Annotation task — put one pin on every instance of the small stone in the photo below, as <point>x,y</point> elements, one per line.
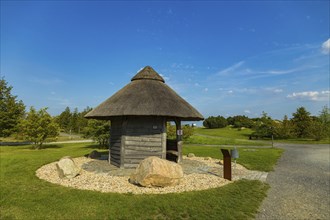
<point>191,155</point>
<point>67,168</point>
<point>207,158</point>
<point>95,154</point>
<point>221,162</point>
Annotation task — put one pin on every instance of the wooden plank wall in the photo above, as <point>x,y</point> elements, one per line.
<point>143,138</point>
<point>115,142</point>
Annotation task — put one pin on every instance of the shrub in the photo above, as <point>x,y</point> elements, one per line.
<point>38,126</point>
<point>215,122</point>
<point>171,131</point>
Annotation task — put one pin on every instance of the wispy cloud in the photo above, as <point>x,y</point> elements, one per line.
<point>310,95</point>
<point>231,68</point>
<point>275,72</point>
<point>326,47</point>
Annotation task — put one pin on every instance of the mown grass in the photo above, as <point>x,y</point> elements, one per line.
<point>303,141</point>
<point>225,132</point>
<point>263,159</point>
<point>213,140</point>
<point>224,136</point>
<point>234,136</point>
<point>24,196</point>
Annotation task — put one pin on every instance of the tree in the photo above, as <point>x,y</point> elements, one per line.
<point>64,119</point>
<point>73,124</point>
<point>301,122</point>
<point>11,110</point>
<point>324,118</point>
<point>73,121</point>
<point>215,122</point>
<point>320,126</point>
<point>82,121</point>
<point>284,129</point>
<point>264,127</point>
<point>99,131</point>
<point>240,121</point>
<point>38,126</point>
<point>187,131</point>
<point>315,130</point>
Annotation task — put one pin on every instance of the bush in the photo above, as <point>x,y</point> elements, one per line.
<point>215,122</point>
<point>171,131</point>
<point>99,131</point>
<point>38,126</point>
<point>240,121</point>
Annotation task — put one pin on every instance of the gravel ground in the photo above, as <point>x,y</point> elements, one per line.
<point>299,185</point>
<point>199,174</point>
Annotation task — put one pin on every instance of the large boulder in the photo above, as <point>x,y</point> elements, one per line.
<point>156,172</point>
<point>67,168</point>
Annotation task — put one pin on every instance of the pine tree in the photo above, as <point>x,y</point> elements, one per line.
<point>11,110</point>
<point>301,121</point>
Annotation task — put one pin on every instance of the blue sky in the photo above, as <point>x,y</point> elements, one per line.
<point>224,57</point>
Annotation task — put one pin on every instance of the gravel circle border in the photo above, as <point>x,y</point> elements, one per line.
<point>105,183</point>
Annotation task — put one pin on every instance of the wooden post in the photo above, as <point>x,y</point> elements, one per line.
<point>226,164</point>
<point>179,139</point>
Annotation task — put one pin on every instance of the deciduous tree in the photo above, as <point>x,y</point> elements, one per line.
<point>38,126</point>
<point>99,131</point>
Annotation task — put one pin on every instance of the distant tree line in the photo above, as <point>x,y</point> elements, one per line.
<point>74,122</point>
<point>38,126</point>
<point>301,125</point>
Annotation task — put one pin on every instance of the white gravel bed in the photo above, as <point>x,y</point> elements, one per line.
<point>104,182</point>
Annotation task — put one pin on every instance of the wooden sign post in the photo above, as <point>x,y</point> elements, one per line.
<point>226,164</point>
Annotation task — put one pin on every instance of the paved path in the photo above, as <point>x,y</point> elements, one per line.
<point>300,186</point>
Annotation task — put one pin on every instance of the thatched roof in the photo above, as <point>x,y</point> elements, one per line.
<point>146,95</point>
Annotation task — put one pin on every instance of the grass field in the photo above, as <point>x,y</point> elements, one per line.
<point>24,196</point>
<point>262,159</point>
<point>234,136</point>
<point>224,136</point>
<point>225,132</point>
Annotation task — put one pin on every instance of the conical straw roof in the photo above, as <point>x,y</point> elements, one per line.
<point>146,95</point>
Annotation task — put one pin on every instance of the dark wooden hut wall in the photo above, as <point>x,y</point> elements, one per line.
<point>143,137</point>
<point>115,142</point>
<point>136,138</point>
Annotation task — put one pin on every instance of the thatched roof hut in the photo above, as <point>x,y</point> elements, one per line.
<point>146,95</point>
<point>138,114</point>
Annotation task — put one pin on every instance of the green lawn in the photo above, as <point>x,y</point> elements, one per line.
<point>263,159</point>
<point>224,136</point>
<point>225,132</point>
<point>213,140</point>
<point>62,137</point>
<point>234,136</point>
<point>303,141</point>
<point>24,196</point>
